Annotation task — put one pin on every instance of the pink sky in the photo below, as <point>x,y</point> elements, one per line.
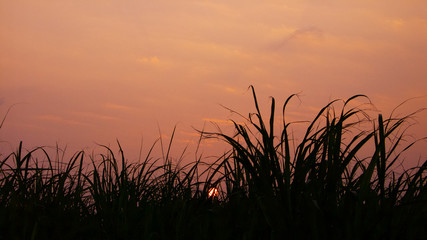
<point>82,72</point>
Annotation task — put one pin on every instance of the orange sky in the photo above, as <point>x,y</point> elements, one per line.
<point>82,72</point>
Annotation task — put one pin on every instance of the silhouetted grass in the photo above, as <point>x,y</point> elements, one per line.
<point>271,186</point>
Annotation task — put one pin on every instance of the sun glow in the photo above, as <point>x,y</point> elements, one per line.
<point>213,193</point>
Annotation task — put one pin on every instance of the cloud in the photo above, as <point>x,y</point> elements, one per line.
<point>396,23</point>
<point>221,121</point>
<point>303,34</point>
<point>94,115</point>
<point>149,60</point>
<point>230,90</point>
<point>218,121</point>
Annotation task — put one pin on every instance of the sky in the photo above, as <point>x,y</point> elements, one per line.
<point>82,73</point>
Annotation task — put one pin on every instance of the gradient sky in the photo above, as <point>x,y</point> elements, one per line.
<point>82,72</point>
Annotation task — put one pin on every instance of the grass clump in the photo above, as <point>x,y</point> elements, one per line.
<point>322,189</point>
<point>271,186</point>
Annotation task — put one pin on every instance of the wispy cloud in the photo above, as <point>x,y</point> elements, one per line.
<point>94,116</point>
<point>301,34</point>
<point>230,90</point>
<point>218,121</point>
<point>149,60</point>
<point>396,23</point>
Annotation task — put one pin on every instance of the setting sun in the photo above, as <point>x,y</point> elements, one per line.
<point>213,193</point>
